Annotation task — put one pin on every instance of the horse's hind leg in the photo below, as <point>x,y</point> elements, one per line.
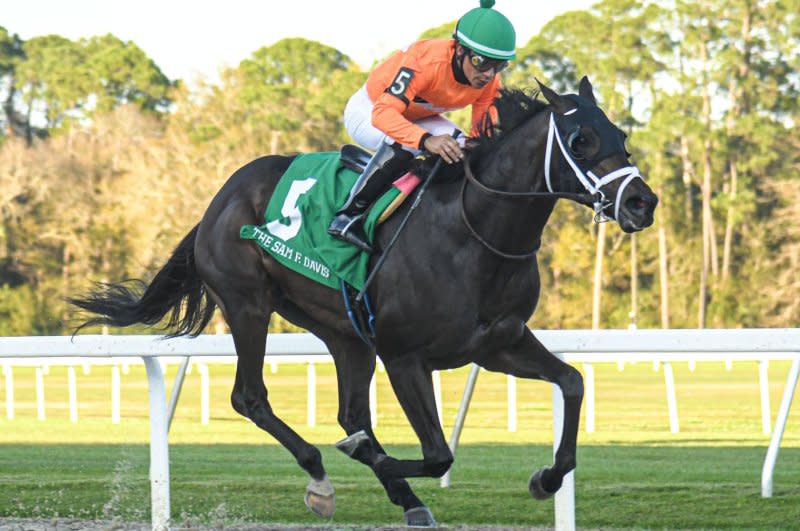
<point>528,358</point>
<point>248,324</point>
<point>235,273</point>
<point>355,365</point>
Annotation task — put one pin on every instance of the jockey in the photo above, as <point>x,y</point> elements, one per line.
<point>397,111</point>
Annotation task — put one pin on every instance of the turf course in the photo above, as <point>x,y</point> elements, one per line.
<point>632,472</point>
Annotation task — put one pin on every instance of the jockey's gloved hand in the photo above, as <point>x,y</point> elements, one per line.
<point>445,146</point>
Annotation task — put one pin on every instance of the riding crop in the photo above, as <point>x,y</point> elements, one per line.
<point>391,243</point>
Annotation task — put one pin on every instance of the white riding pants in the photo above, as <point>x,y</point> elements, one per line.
<point>358,122</point>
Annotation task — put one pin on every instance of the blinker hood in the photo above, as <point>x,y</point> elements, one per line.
<point>585,115</point>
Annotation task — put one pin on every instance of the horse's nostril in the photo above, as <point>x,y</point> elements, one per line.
<point>636,205</point>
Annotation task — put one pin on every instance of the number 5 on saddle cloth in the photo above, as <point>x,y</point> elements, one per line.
<point>298,214</point>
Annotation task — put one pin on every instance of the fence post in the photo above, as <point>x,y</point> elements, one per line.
<point>73,394</point>
<point>763,382</point>
<point>588,370</point>
<point>461,416</point>
<point>39,393</point>
<point>512,403</point>
<point>205,393</point>
<point>780,425</point>
<point>183,369</point>
<point>159,445</point>
<point>115,384</point>
<point>373,401</point>
<point>437,393</point>
<point>564,500</point>
<point>672,402</point>
<point>311,412</point>
<point>9,373</point>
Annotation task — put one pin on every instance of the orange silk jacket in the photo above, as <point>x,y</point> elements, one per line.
<point>419,82</point>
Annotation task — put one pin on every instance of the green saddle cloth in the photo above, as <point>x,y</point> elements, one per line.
<point>295,231</point>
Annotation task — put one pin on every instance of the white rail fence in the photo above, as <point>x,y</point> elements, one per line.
<point>121,366</point>
<point>661,347</point>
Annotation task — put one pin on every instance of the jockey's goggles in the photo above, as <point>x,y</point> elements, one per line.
<point>484,64</point>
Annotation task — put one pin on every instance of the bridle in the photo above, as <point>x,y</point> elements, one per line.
<point>507,195</point>
<point>588,179</point>
<point>591,182</point>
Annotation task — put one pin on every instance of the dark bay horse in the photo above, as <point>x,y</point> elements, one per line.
<point>458,288</point>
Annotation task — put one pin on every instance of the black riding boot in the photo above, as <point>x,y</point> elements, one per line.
<point>388,163</point>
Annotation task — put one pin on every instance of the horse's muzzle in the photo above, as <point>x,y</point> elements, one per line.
<point>636,211</point>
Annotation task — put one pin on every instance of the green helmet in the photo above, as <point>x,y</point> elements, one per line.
<point>487,32</point>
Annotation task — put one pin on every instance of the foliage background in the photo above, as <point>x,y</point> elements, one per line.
<point>105,163</point>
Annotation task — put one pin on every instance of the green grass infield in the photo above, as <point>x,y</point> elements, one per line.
<point>633,473</point>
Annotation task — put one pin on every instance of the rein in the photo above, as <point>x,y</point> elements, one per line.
<point>508,195</point>
<point>591,182</point>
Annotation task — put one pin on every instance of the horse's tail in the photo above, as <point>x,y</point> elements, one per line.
<point>176,289</point>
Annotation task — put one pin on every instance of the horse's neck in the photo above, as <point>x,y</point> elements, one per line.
<point>513,225</point>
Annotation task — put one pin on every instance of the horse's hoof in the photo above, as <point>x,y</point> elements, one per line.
<point>350,444</point>
<point>536,488</point>
<point>419,517</point>
<point>320,498</point>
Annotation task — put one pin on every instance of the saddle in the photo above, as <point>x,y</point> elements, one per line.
<point>354,157</point>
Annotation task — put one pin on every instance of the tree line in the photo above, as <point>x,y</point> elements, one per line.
<point>105,163</point>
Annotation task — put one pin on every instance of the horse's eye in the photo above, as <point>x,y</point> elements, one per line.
<point>576,142</point>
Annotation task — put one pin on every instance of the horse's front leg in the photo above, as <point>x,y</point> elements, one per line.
<point>355,366</point>
<point>413,386</point>
<point>528,358</point>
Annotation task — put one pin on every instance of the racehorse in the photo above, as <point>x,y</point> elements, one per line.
<point>458,288</point>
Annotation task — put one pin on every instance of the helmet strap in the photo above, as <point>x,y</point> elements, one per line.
<point>458,65</point>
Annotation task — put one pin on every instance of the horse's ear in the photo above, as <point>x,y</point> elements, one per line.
<point>585,90</point>
<point>559,103</point>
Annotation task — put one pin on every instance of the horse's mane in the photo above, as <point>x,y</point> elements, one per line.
<point>514,107</point>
